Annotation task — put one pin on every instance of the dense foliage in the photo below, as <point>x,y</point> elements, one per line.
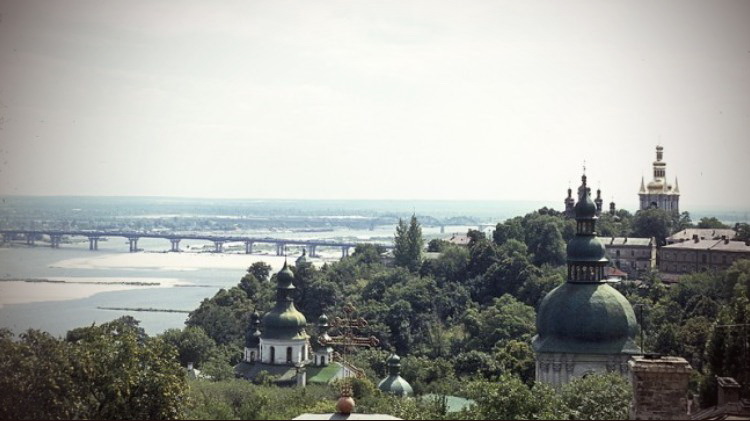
<point>462,321</point>
<point>112,371</point>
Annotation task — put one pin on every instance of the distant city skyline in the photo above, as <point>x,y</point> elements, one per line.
<point>418,100</point>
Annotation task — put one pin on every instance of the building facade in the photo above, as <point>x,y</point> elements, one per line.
<point>698,255</point>
<point>631,255</point>
<point>584,325</point>
<point>658,193</point>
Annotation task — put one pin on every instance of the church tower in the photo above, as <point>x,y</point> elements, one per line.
<point>659,193</point>
<point>584,325</point>
<point>569,203</point>
<point>284,340</point>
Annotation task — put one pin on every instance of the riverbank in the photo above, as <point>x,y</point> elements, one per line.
<point>25,291</point>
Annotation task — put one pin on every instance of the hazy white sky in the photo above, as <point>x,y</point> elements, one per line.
<point>374,99</point>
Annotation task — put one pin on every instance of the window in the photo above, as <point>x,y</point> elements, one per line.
<point>703,258</point>
<point>289,354</point>
<point>273,355</point>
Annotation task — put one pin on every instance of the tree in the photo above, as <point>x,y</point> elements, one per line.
<point>506,398</point>
<point>598,397</point>
<point>544,239</point>
<point>103,372</point>
<point>192,345</point>
<point>408,244</point>
<point>653,223</point>
<point>743,232</point>
<point>368,253</point>
<point>711,222</point>
<point>436,245</point>
<point>261,271</point>
<point>511,229</point>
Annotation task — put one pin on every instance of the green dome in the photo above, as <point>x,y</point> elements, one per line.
<point>585,208</point>
<point>585,319</point>
<point>285,278</point>
<point>394,383</point>
<point>284,322</point>
<point>586,249</point>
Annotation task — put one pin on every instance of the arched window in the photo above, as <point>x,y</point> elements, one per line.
<point>289,354</point>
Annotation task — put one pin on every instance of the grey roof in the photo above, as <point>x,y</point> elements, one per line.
<point>459,239</point>
<point>702,233</point>
<point>626,241</point>
<point>718,245</point>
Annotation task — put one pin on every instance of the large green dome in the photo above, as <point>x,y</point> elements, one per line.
<point>284,322</point>
<point>586,319</point>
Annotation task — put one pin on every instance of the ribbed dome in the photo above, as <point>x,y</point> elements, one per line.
<point>394,383</point>
<point>284,322</point>
<point>586,319</point>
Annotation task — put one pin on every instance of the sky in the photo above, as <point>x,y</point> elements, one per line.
<point>454,100</point>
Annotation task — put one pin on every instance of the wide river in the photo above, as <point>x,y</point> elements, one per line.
<point>97,286</point>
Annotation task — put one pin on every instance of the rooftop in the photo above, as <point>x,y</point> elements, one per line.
<point>718,245</point>
<point>702,233</point>
<point>626,241</point>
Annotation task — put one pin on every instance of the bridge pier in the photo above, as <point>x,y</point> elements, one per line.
<point>133,244</point>
<point>93,243</point>
<point>29,239</point>
<point>312,250</point>
<point>175,244</point>
<point>218,246</point>
<point>54,241</point>
<point>344,251</point>
<point>248,247</point>
<point>280,248</point>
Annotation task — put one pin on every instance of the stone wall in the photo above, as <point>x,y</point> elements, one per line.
<point>660,386</point>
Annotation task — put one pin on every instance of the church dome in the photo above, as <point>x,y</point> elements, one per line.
<point>284,321</point>
<point>302,259</point>
<point>583,318</point>
<point>285,278</point>
<point>586,249</point>
<point>585,208</point>
<point>394,383</point>
<point>585,315</point>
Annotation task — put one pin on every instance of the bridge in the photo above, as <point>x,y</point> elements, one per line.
<point>55,238</point>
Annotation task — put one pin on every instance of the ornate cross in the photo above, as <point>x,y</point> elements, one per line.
<point>347,338</point>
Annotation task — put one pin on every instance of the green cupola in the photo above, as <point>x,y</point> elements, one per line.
<point>394,383</point>
<point>585,315</point>
<point>284,321</point>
